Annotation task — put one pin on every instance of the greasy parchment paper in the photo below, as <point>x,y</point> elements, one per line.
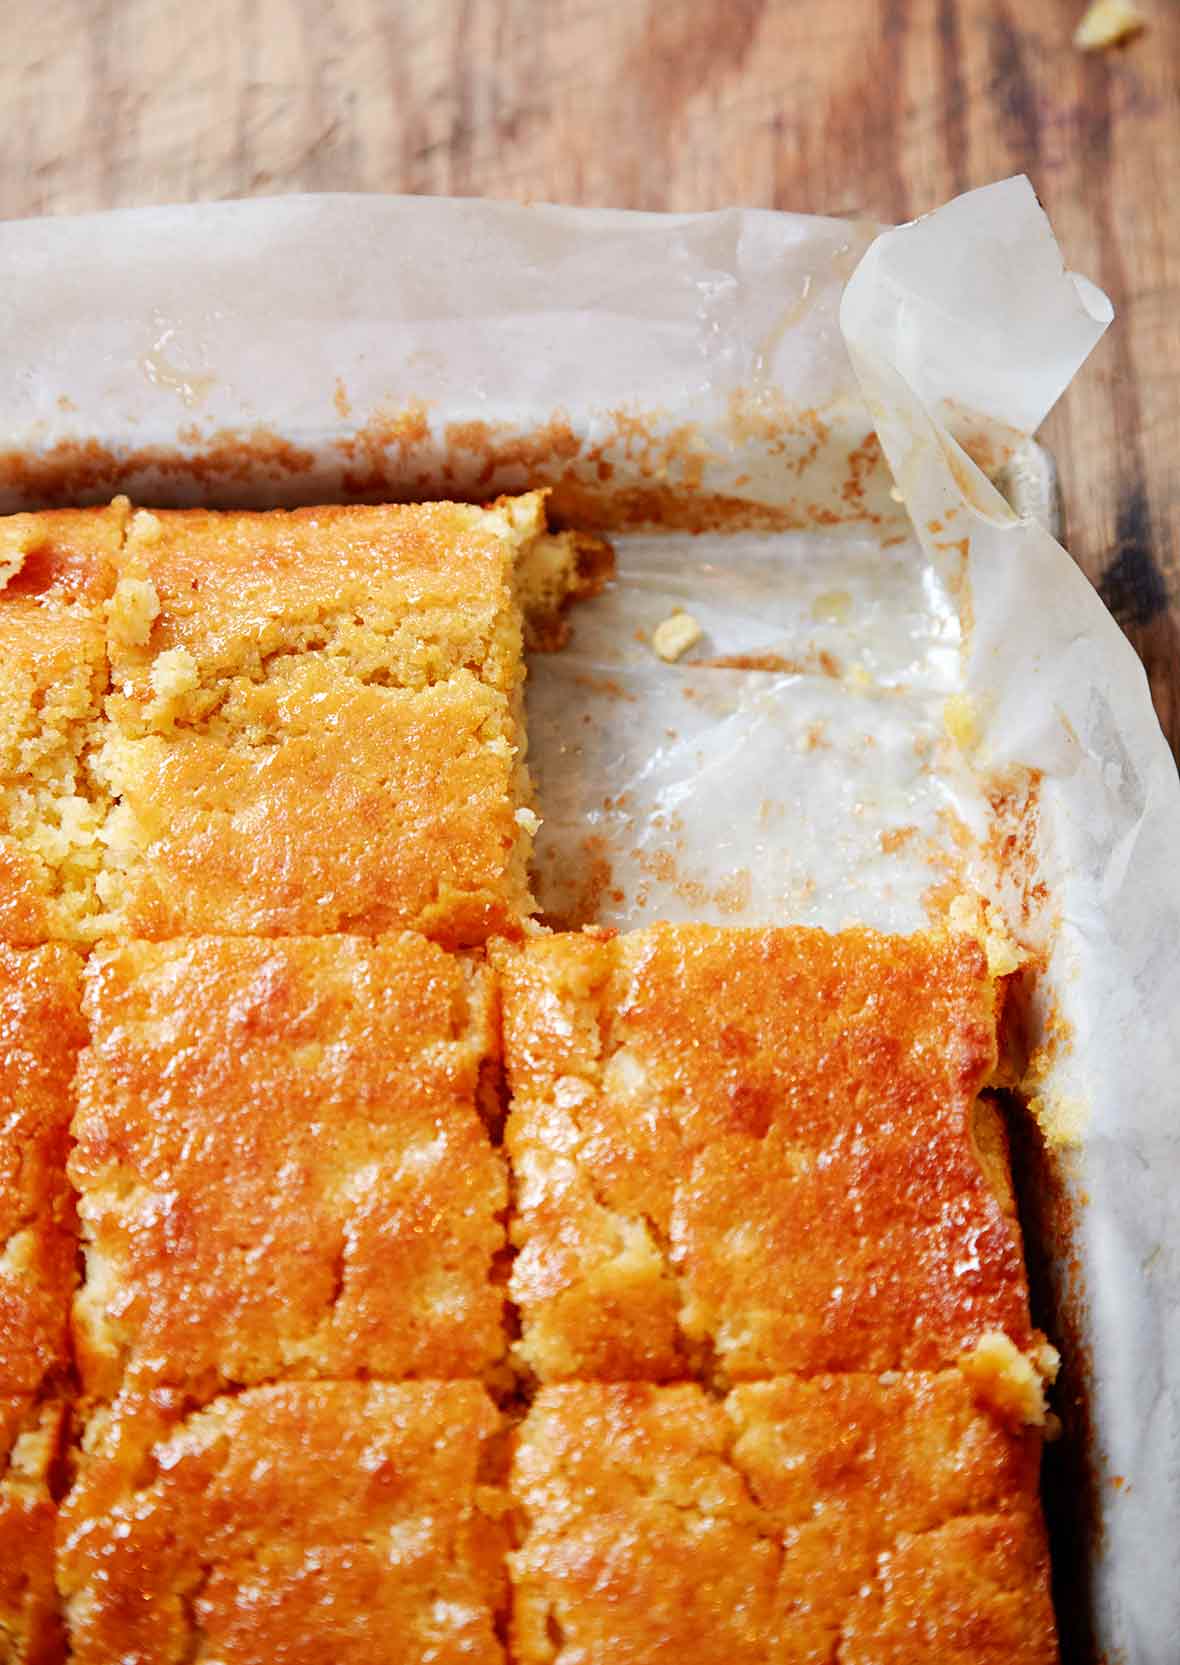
<point>972,304</point>
<point>921,689</point>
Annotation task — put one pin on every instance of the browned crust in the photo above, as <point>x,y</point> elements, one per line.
<point>819,1090</point>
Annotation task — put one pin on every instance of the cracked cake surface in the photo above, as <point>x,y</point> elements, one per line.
<point>753,1152</point>
<point>288,1519</point>
<point>795,1520</point>
<point>282,1164</point>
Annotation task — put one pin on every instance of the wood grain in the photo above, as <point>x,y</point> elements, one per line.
<point>884,106</point>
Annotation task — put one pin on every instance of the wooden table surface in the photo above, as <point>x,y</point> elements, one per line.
<point>882,106</point>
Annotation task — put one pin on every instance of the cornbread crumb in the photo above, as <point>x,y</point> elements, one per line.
<point>553,571</point>
<point>16,543</point>
<point>295,1521</point>
<point>1062,1119</point>
<point>1047,1360</point>
<point>972,915</point>
<point>314,1192</point>
<point>146,526</point>
<point>174,673</point>
<point>744,1152</point>
<point>1106,23</point>
<point>30,1438</point>
<point>674,635</point>
<point>132,611</point>
<point>1010,1381</point>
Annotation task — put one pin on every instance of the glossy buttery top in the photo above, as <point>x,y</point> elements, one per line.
<point>742,1153</point>
<point>881,1521</point>
<point>286,1521</point>
<point>282,1166</point>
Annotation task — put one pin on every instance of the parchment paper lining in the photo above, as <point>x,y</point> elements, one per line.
<point>947,690</point>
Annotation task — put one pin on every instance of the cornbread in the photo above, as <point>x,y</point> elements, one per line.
<point>273,723</point>
<point>775,1395</point>
<point>744,1153</point>
<point>282,1165</point>
<point>30,1439</point>
<point>1107,23</point>
<point>838,1517</point>
<point>674,635</point>
<point>552,573</point>
<point>299,1522</point>
<point>56,571</point>
<point>40,1033</point>
<point>1011,1382</point>
<point>972,1592</point>
<point>637,1536</point>
<point>315,722</point>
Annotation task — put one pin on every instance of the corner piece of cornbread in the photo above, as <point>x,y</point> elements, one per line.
<point>315,722</point>
<point>31,1435</point>
<point>282,1165</point>
<point>297,1521</point>
<point>273,723</point>
<point>850,1517</point>
<point>56,571</point>
<point>740,1153</point>
<point>40,1034</point>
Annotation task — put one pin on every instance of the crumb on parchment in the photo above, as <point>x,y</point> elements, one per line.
<point>1106,23</point>
<point>972,915</point>
<point>675,635</point>
<point>1062,1119</point>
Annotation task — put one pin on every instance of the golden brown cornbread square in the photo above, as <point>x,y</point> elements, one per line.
<point>847,1467</point>
<point>300,1522</point>
<point>282,1164</point>
<point>40,1034</point>
<point>971,1592</point>
<point>751,1152</point>
<point>657,1521</point>
<point>316,722</point>
<point>31,1434</point>
<point>56,571</point>
<point>637,1537</point>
